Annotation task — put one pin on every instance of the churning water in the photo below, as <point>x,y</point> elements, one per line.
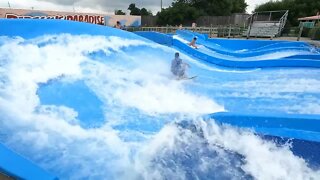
<point>95,107</point>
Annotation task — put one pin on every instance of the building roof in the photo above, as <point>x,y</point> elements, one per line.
<point>310,18</point>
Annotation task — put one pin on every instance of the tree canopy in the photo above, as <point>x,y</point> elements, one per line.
<point>138,12</point>
<point>119,12</point>
<point>185,11</point>
<point>297,8</point>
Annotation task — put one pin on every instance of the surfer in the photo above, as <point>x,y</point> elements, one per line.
<point>178,67</point>
<point>193,43</point>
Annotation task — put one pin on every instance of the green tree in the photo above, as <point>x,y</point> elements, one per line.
<point>119,12</point>
<point>138,12</point>
<point>239,6</point>
<point>145,12</point>
<point>187,11</point>
<point>133,9</point>
<point>217,7</point>
<point>178,13</point>
<point>297,8</point>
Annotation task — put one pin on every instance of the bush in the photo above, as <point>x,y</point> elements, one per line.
<point>314,33</point>
<point>305,32</point>
<point>291,32</point>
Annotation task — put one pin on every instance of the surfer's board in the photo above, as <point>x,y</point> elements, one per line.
<point>188,78</point>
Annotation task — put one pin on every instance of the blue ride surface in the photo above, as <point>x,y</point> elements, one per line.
<point>239,53</point>
<point>278,103</point>
<point>17,167</point>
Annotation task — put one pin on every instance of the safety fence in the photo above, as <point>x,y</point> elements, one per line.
<point>312,33</point>
<point>217,31</point>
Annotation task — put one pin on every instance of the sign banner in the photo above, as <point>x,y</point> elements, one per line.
<point>109,20</point>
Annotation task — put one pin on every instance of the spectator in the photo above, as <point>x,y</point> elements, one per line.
<point>118,25</point>
<point>194,26</point>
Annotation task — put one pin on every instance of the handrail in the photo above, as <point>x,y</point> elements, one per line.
<point>254,18</point>
<point>271,11</point>
<point>268,21</point>
<point>283,21</point>
<point>221,31</point>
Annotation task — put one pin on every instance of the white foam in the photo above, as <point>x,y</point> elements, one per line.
<point>262,159</point>
<point>180,39</point>
<point>150,88</point>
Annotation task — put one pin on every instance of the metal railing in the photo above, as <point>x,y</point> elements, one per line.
<point>283,21</point>
<point>268,17</point>
<point>213,31</point>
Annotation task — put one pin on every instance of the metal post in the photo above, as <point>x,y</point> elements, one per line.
<point>270,16</point>
<point>300,32</point>
<point>250,24</point>
<point>229,34</point>
<point>223,30</point>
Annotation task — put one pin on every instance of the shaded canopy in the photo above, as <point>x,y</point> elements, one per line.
<point>309,18</point>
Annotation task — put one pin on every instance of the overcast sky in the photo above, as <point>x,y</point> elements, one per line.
<point>99,6</point>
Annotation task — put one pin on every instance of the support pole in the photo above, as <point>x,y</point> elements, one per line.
<point>250,24</point>
<point>300,32</point>
<point>270,16</point>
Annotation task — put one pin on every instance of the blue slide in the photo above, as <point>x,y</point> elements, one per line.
<point>84,101</point>
<point>17,167</point>
<point>243,53</point>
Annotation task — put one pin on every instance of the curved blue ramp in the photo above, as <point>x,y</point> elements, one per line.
<point>16,166</point>
<point>30,28</point>
<point>315,63</point>
<point>242,47</point>
<point>208,51</point>
<point>92,102</point>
